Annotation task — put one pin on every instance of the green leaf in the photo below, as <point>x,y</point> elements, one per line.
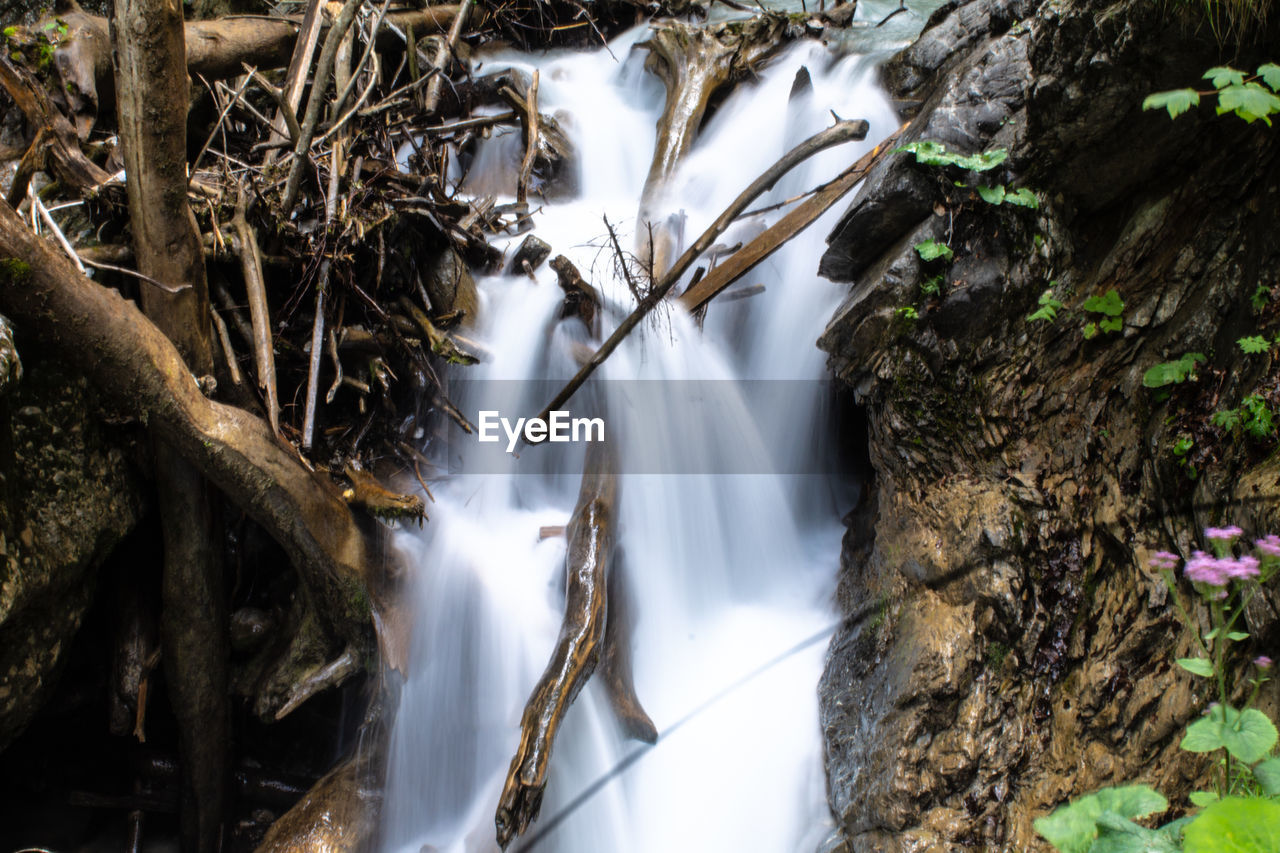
<point>1235,825</point>
<point>1090,331</point>
<point>1049,306</point>
<point>908,312</point>
<point>1073,828</point>
<point>1120,835</point>
<point>931,286</point>
<point>1204,735</point>
<point>1247,735</point>
<point>1197,666</point>
<point>1023,197</point>
<point>1202,798</point>
<point>1270,74</point>
<point>1174,829</point>
<point>984,162</point>
<point>931,250</point>
<point>1176,102</point>
<point>930,153</point>
<point>1227,419</point>
<point>992,195</point>
<point>1237,636</point>
<point>1170,372</point>
<point>1111,324</point>
<point>1249,101</point>
<point>1109,303</point>
<point>1253,344</point>
<point>1268,775</point>
<point>1223,76</point>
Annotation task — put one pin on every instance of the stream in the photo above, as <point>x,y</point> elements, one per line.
<point>728,538</point>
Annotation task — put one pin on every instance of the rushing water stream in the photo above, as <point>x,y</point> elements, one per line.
<point>731,570</point>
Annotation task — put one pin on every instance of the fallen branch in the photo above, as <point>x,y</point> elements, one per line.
<point>841,132</point>
<point>590,536</point>
<point>431,99</point>
<point>319,84</point>
<point>773,238</point>
<point>255,288</point>
<point>529,121</point>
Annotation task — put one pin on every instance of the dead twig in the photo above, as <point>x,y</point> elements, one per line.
<point>255,288</point>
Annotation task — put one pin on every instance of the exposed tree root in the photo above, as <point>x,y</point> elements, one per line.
<point>137,368</point>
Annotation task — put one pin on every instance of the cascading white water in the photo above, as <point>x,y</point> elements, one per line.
<point>728,572</point>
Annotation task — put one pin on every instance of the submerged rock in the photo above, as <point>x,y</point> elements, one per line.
<point>1005,647</point>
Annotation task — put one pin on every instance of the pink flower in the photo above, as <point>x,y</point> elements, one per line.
<point>1202,568</point>
<point>1240,568</point>
<point>1262,662</point>
<point>1222,534</point>
<point>1269,545</point>
<point>1163,561</point>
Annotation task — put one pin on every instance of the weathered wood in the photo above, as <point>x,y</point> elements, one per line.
<point>151,79</point>
<point>615,666</point>
<point>590,536</point>
<point>773,238</point>
<point>693,62</point>
<point>215,49</point>
<point>56,145</point>
<point>264,357</point>
<point>319,85</point>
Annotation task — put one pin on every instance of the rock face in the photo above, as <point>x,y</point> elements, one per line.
<point>1005,648</point>
<point>69,496</point>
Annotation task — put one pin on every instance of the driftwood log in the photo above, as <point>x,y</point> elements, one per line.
<point>590,537</point>
<point>694,63</point>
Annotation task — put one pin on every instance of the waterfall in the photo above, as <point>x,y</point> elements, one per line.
<point>731,565</point>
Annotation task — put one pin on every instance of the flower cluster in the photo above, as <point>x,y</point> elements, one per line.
<point>1217,571</point>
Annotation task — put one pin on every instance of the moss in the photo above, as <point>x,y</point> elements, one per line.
<point>14,271</point>
<point>996,654</point>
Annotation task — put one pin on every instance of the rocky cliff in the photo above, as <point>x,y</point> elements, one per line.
<point>1005,647</point>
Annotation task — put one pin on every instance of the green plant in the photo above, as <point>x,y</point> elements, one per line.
<point>931,250</point>
<point>1242,812</point>
<point>1173,372</point>
<point>1237,93</point>
<point>931,286</point>
<point>1049,307</point>
<point>1253,344</point>
<point>929,153</point>
<point>1182,447</point>
<point>1022,197</point>
<point>1254,416</point>
<point>907,312</point>
<point>1110,307</point>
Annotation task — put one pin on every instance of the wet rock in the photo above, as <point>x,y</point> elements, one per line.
<point>1005,648</point>
<point>69,495</point>
<point>532,251</point>
<point>10,363</point>
<point>450,285</point>
<point>338,815</point>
